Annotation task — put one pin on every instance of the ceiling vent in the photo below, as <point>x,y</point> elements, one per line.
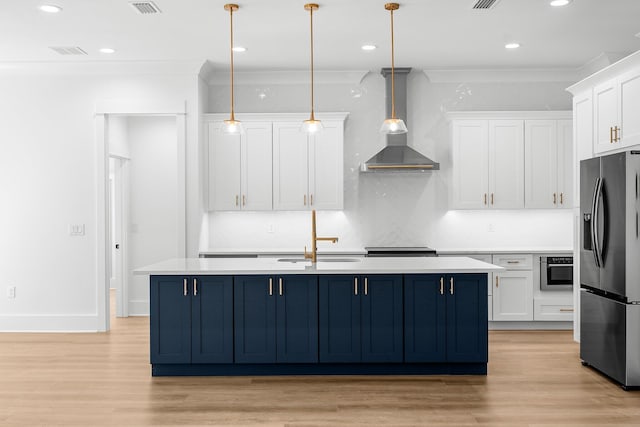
<point>485,4</point>
<point>68,50</point>
<point>145,7</point>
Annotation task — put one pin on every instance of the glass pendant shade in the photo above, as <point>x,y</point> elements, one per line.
<point>311,126</point>
<point>393,127</point>
<point>232,127</point>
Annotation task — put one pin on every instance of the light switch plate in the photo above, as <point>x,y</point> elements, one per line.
<point>11,292</point>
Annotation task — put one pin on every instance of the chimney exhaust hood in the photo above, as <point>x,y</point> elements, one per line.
<point>397,156</point>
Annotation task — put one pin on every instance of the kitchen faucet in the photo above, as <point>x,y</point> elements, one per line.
<point>314,240</point>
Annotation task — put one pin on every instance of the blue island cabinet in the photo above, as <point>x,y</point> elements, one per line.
<point>191,319</point>
<point>276,319</point>
<point>360,319</point>
<point>446,318</point>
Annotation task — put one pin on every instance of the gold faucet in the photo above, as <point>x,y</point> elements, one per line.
<point>314,240</point>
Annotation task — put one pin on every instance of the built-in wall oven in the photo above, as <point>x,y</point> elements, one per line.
<point>556,273</point>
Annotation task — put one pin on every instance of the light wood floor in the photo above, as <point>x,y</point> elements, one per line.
<point>535,378</point>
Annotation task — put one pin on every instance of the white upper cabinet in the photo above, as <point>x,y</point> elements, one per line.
<point>548,171</point>
<point>240,168</point>
<point>308,170</point>
<point>615,93</point>
<point>506,164</point>
<point>471,162</point>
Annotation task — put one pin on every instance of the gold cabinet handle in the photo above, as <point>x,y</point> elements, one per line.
<point>270,286</point>
<point>311,200</point>
<point>566,310</point>
<point>513,262</point>
<point>195,287</point>
<point>366,286</point>
<point>554,198</point>
<point>561,201</point>
<point>451,285</point>
<point>280,286</point>
<point>243,200</point>
<point>611,135</point>
<point>355,286</point>
<point>496,281</point>
<point>236,200</point>
<point>617,137</point>
<point>492,198</point>
<point>485,198</point>
<point>442,286</point>
<point>185,292</point>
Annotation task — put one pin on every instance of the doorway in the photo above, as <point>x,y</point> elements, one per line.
<point>141,202</point>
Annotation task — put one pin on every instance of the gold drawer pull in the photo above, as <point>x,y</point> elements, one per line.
<point>485,198</point>
<point>496,281</point>
<point>513,262</point>
<point>554,199</point>
<point>566,310</point>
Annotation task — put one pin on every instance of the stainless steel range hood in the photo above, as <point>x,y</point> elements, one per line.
<point>397,156</point>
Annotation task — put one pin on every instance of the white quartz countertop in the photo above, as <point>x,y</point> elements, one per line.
<point>505,250</point>
<point>279,251</point>
<point>363,265</point>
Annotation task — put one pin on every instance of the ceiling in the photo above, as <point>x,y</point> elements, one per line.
<point>430,34</point>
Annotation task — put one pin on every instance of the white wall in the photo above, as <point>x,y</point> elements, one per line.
<point>48,181</point>
<point>384,209</point>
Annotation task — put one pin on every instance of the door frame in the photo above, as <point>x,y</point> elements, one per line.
<point>104,109</point>
<point>121,224</point>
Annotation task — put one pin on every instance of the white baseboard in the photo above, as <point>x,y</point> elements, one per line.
<point>49,323</point>
<point>139,308</point>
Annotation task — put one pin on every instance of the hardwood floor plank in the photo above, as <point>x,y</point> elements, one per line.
<point>535,379</point>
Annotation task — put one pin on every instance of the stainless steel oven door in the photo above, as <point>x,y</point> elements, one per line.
<point>556,273</point>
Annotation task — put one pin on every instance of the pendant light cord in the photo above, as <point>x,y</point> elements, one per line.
<point>231,51</point>
<point>393,79</point>
<point>311,26</point>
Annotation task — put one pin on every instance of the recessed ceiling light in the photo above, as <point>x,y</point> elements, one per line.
<point>512,45</point>
<point>239,49</point>
<point>50,8</point>
<point>107,50</point>
<point>558,3</point>
<point>368,47</point>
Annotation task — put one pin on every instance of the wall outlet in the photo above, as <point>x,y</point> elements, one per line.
<point>11,292</point>
<point>76,230</point>
<point>491,228</point>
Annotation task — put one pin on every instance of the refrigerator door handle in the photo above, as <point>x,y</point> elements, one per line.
<point>597,250</point>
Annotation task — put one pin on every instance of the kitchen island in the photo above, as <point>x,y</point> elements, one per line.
<point>269,316</point>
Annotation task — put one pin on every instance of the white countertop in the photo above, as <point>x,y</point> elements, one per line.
<point>505,250</point>
<point>393,265</point>
<point>280,251</point>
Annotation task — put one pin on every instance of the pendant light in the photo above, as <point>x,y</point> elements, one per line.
<point>231,126</point>
<point>312,125</point>
<point>393,125</point>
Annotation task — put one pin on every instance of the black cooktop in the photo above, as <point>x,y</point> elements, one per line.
<point>400,251</point>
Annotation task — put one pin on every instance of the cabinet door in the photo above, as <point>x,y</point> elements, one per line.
<point>381,327</point>
<point>565,164</point>
<point>257,173</point>
<point>506,164</point>
<point>513,295</point>
<point>224,169</point>
<point>170,319</point>
<point>339,319</point>
<point>425,321</point>
<point>326,167</point>
<point>297,319</point>
<point>470,161</point>
<point>629,107</point>
<point>605,112</point>
<point>255,319</point>
<point>467,318</point>
<point>541,167</point>
<point>212,319</point>
<point>290,167</point>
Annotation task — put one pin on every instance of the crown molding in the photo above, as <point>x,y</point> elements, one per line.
<point>562,75</point>
<point>623,65</point>
<point>510,115</point>
<point>350,77</point>
<point>102,67</point>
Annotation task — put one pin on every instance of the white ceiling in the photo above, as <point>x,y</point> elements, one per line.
<point>428,33</point>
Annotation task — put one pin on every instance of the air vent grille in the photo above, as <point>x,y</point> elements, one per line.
<point>145,7</point>
<point>68,50</point>
<point>485,4</point>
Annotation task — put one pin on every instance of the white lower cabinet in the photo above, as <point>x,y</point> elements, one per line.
<point>513,295</point>
<point>553,308</point>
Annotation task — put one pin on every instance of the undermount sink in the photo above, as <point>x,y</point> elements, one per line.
<point>294,260</point>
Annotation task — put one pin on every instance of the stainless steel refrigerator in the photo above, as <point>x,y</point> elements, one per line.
<point>610,266</point>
